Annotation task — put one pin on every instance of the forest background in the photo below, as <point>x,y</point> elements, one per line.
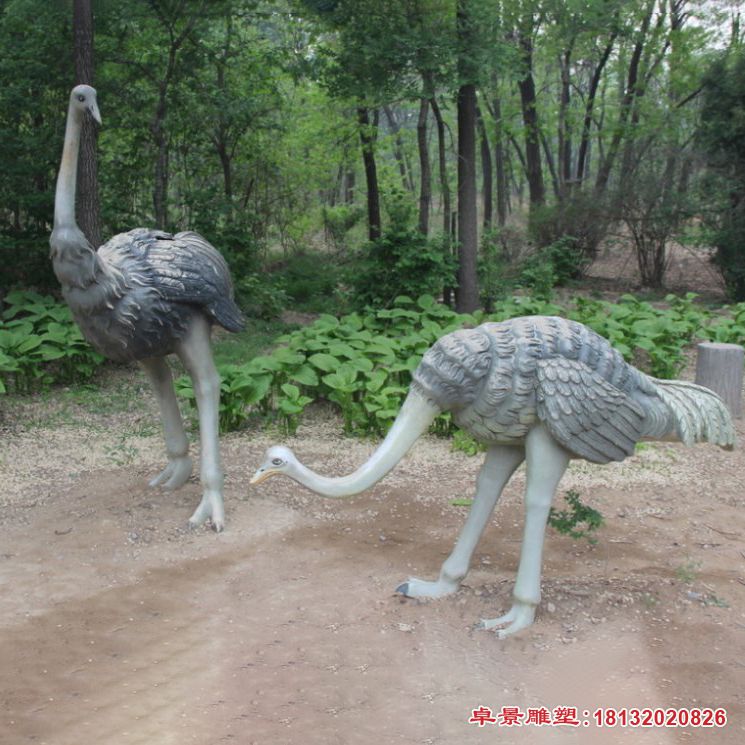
<point>342,154</point>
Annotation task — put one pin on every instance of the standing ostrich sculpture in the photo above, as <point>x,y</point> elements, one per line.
<point>141,296</point>
<point>537,389</point>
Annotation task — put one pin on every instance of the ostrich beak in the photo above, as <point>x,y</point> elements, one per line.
<point>262,475</point>
<point>94,112</point>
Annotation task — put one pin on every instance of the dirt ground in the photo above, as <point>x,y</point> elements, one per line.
<point>121,627</point>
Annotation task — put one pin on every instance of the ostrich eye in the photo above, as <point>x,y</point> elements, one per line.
<point>277,462</point>
<point>81,98</point>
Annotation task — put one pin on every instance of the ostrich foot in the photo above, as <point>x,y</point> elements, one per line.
<point>174,475</point>
<point>519,617</point>
<point>419,588</point>
<point>210,508</point>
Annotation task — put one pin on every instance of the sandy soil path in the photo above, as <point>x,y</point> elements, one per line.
<point>120,627</point>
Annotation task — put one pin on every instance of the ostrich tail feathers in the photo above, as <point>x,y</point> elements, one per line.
<point>698,413</point>
<point>228,315</point>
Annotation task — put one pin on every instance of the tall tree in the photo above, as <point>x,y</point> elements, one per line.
<point>88,206</point>
<point>467,292</point>
<point>425,170</point>
<point>368,137</point>
<point>529,103</point>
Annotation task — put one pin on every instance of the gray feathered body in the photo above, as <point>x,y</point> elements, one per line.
<point>501,379</point>
<point>134,298</point>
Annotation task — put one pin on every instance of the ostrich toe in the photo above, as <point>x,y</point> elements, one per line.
<point>419,588</point>
<point>519,617</point>
<point>210,508</point>
<point>174,475</point>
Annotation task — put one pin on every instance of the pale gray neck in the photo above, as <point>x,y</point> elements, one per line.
<point>413,420</point>
<point>64,198</point>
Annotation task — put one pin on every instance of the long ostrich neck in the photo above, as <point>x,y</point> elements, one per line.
<point>64,198</point>
<point>413,421</point>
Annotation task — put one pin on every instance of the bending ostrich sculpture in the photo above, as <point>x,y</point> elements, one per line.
<point>141,296</point>
<point>536,389</point>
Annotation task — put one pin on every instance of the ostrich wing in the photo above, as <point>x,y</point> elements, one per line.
<point>183,268</point>
<point>585,413</point>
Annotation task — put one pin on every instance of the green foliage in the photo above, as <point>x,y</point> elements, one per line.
<point>362,363</point>
<point>722,133</point>
<point>311,282</point>
<point>551,266</point>
<point>578,521</point>
<point>40,344</point>
<point>652,338</point>
<point>261,296</point>
<point>402,261</point>
<point>579,223</point>
<point>464,443</point>
<point>338,221</point>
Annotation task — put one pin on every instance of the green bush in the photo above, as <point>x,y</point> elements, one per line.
<point>401,261</point>
<point>579,521</point>
<point>338,221</point>
<point>40,344</point>
<point>722,135</point>
<point>261,296</point>
<point>363,362</point>
<point>311,282</point>
<point>579,218</point>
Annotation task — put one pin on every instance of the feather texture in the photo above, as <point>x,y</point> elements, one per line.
<point>500,379</point>
<point>144,288</point>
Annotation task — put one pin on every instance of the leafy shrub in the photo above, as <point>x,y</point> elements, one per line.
<point>338,221</point>
<point>651,338</point>
<point>722,134</point>
<point>40,344</point>
<point>579,521</point>
<point>401,261</point>
<point>552,266</point>
<point>261,296</point>
<point>311,282</point>
<point>580,218</point>
<point>363,362</point>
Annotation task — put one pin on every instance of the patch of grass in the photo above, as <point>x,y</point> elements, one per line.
<point>121,453</point>
<point>464,502</point>
<point>688,572</point>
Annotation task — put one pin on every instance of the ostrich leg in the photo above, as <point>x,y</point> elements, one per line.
<point>546,463</point>
<point>500,464</point>
<point>178,470</point>
<point>195,352</point>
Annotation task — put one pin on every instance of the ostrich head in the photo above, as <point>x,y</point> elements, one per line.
<point>278,460</point>
<point>83,99</point>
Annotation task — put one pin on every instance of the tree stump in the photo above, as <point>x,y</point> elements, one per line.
<point>719,367</point>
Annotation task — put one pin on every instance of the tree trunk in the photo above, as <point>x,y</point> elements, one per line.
<point>467,293</point>
<point>564,134</point>
<point>528,101</point>
<point>398,149</point>
<point>425,184</point>
<point>443,168</point>
<point>160,182</point>
<point>368,134</point>
<point>499,164</point>
<point>486,171</point>
<point>349,184</point>
<point>88,208</point>
<point>584,145</point>
<point>719,367</point>
<point>627,105</point>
